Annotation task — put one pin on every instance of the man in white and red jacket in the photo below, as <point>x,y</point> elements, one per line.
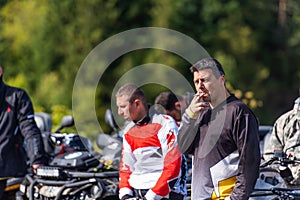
<point>151,160</point>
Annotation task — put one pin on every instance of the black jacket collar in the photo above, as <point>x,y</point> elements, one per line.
<point>143,121</point>
<point>2,93</point>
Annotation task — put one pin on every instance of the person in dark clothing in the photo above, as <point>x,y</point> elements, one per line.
<point>221,132</point>
<point>171,104</point>
<point>18,132</point>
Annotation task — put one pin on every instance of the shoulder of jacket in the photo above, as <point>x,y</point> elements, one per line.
<point>285,118</point>
<point>14,90</point>
<point>161,118</point>
<point>240,107</point>
<point>164,120</point>
<point>128,127</point>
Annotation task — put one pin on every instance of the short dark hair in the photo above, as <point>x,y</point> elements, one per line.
<point>209,63</point>
<point>132,91</point>
<point>167,100</point>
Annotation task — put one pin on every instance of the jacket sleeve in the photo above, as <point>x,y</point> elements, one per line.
<point>187,133</point>
<point>126,164</point>
<point>29,129</point>
<point>276,141</point>
<point>246,135</point>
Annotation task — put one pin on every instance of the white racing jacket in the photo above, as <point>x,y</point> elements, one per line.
<point>150,157</point>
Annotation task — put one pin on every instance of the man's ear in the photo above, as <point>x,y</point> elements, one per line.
<point>177,105</point>
<point>137,102</point>
<point>223,77</point>
<point>0,71</point>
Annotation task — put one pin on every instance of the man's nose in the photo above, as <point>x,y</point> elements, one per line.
<point>120,112</point>
<point>200,85</point>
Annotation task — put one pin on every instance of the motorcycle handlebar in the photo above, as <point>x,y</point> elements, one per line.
<point>268,162</point>
<point>281,159</point>
<point>286,191</point>
<point>276,191</point>
<point>108,174</point>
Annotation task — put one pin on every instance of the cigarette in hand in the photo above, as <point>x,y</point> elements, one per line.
<point>198,94</point>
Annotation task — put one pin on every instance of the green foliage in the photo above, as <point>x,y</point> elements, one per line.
<point>50,92</point>
<point>57,113</point>
<point>43,44</point>
<point>18,81</point>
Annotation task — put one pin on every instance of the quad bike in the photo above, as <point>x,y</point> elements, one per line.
<point>75,171</point>
<point>275,180</point>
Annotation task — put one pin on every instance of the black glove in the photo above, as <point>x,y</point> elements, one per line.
<point>126,196</point>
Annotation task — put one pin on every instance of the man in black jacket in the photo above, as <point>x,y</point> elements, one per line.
<point>221,132</point>
<point>18,131</point>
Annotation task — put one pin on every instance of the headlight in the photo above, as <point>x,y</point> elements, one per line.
<point>23,188</point>
<point>49,191</point>
<point>44,171</point>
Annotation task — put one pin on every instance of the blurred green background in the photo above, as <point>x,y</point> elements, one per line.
<point>44,42</point>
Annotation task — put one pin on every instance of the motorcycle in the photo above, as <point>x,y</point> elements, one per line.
<point>74,172</point>
<point>275,180</point>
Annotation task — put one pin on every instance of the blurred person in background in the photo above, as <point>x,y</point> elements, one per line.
<point>171,104</point>
<point>285,137</point>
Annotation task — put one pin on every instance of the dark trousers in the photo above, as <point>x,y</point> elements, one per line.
<point>2,188</point>
<point>172,196</point>
<point>176,196</point>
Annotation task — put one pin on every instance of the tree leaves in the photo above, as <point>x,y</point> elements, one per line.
<point>43,43</point>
